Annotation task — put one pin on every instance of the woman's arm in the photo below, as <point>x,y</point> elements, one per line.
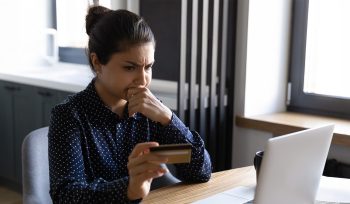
<point>143,101</point>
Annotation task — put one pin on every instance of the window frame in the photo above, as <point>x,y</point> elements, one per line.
<point>67,54</point>
<point>72,55</point>
<point>299,100</point>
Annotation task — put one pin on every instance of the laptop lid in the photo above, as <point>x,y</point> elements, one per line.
<point>292,166</point>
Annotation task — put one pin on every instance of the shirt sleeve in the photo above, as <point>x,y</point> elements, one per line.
<point>199,169</point>
<point>69,182</point>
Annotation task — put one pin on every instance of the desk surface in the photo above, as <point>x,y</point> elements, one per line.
<point>219,182</point>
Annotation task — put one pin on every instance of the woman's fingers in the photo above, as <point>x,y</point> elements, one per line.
<point>133,92</point>
<point>144,168</point>
<point>140,100</point>
<point>149,158</point>
<point>140,160</point>
<point>143,101</point>
<point>147,104</point>
<point>151,175</point>
<point>154,174</point>
<point>142,180</point>
<point>138,105</point>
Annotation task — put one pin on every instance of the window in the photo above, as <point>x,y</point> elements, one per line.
<point>320,63</point>
<point>71,36</point>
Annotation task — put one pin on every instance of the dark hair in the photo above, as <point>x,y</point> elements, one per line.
<point>112,31</point>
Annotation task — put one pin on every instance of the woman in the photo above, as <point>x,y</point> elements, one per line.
<point>99,138</point>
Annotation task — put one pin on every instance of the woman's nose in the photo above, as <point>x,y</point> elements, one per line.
<point>141,79</point>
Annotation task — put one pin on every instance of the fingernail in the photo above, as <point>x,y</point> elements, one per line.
<point>162,172</point>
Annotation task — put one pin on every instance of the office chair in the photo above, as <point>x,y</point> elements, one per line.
<point>35,169</point>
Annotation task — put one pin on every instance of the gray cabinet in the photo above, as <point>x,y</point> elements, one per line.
<point>47,99</point>
<point>23,108</point>
<point>7,158</point>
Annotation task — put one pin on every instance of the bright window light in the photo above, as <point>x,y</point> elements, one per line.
<point>71,22</point>
<point>327,59</point>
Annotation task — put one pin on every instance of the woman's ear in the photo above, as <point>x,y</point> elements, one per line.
<point>96,63</point>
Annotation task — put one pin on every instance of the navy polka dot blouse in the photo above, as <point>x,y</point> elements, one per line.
<point>89,147</point>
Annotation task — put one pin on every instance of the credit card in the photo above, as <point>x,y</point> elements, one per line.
<point>176,153</point>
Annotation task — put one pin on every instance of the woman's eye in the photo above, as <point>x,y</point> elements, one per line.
<point>129,68</point>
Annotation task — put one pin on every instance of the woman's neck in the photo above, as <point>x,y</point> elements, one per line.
<point>116,105</point>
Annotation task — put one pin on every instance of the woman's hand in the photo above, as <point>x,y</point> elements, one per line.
<point>143,167</point>
<point>143,101</point>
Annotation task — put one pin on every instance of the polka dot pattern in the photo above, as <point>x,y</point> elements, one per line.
<point>89,147</point>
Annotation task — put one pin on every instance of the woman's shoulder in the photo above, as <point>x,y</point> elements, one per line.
<point>69,104</point>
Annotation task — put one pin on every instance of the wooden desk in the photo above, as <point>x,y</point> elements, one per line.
<point>219,182</point>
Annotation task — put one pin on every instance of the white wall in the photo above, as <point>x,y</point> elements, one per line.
<point>22,31</point>
<point>267,56</point>
<point>263,32</point>
<point>261,69</point>
<point>131,5</point>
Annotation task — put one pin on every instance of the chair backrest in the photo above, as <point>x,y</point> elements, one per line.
<point>35,168</point>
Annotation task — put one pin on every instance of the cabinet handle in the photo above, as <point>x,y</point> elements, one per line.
<point>12,88</point>
<point>44,93</point>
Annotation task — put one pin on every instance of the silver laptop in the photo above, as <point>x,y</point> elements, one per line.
<point>290,172</point>
<point>292,167</point>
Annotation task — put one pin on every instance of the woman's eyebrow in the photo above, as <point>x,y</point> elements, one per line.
<point>139,65</point>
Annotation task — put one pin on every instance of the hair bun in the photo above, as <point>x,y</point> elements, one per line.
<point>95,13</point>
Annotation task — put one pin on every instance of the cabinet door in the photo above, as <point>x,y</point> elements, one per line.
<point>63,95</point>
<point>49,98</point>
<point>27,117</point>
<point>7,157</point>
<point>23,109</point>
<point>33,107</point>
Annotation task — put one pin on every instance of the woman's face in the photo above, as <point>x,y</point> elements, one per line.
<point>129,69</point>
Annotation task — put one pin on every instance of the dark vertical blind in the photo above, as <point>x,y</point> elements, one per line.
<point>201,51</point>
<point>165,20</point>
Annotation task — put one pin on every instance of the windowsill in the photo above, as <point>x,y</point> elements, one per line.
<point>287,122</point>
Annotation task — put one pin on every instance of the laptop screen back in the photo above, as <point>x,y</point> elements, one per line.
<point>292,166</point>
